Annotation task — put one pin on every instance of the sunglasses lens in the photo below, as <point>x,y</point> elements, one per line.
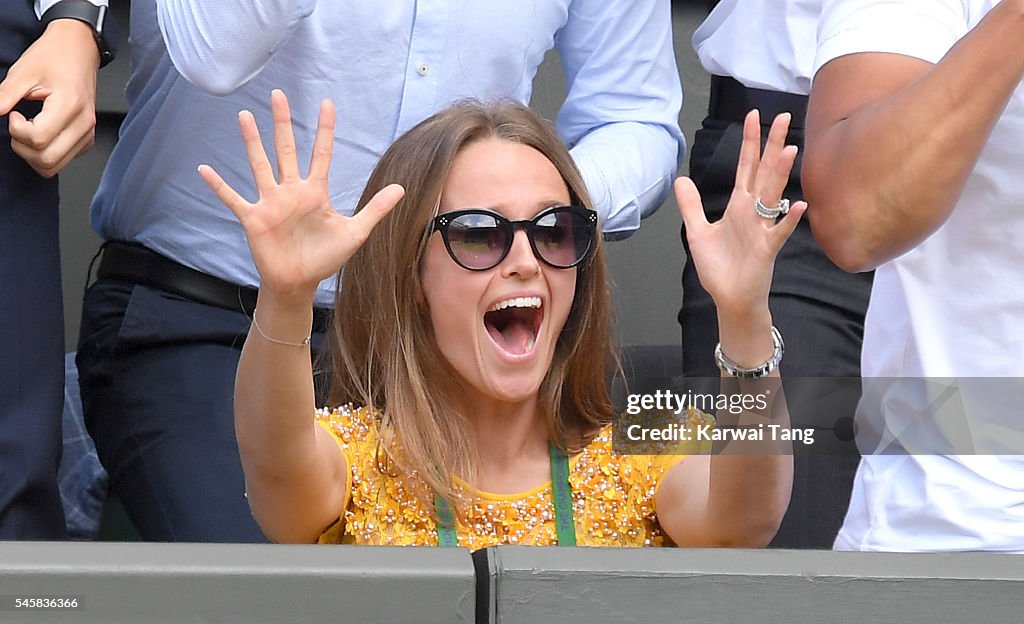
<point>477,240</point>
<point>563,236</point>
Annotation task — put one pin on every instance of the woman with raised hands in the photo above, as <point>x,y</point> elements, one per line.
<point>470,345</point>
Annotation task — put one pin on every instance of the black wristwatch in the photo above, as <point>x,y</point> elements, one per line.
<point>95,16</point>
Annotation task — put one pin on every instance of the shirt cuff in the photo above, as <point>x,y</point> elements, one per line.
<point>42,6</point>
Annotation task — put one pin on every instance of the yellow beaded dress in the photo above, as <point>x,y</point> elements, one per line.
<point>612,498</point>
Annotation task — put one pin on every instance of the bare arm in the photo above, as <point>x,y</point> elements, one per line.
<point>737,498</point>
<point>891,139</point>
<point>294,470</point>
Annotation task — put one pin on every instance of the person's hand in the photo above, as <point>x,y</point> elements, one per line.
<point>60,70</point>
<point>295,236</point>
<point>735,256</point>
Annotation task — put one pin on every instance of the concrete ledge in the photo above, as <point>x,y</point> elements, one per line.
<point>171,583</point>
<point>265,583</point>
<point>766,587</point>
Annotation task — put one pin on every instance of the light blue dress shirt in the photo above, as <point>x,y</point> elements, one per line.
<point>42,6</point>
<point>387,66</point>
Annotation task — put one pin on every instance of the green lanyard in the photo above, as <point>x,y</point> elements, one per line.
<point>561,491</point>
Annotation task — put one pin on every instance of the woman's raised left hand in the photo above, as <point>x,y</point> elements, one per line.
<point>735,257</point>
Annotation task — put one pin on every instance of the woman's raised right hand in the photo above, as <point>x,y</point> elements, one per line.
<point>296,237</point>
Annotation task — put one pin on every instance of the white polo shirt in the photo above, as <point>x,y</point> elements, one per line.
<point>763,45</point>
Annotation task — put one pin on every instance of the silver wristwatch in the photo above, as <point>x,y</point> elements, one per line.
<point>729,367</point>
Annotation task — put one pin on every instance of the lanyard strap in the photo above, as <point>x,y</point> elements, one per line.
<point>445,523</point>
<point>561,491</point>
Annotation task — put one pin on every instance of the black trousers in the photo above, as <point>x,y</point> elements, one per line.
<point>157,379</point>
<point>819,309</point>
<point>157,376</point>
<point>31,324</point>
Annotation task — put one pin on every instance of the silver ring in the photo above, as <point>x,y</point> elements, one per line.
<point>778,210</point>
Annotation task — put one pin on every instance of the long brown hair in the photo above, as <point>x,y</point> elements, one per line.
<point>384,352</point>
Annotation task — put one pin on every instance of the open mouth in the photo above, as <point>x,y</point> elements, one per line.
<point>513,324</point>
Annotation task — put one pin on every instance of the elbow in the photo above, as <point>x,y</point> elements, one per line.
<point>202,61</point>
<point>283,534</point>
<point>751,530</point>
<point>843,247</point>
<point>759,537</point>
<point>219,88</point>
<point>853,262</point>
<point>754,535</point>
<point>838,225</point>
<point>272,502</point>
<point>747,540</point>
<point>206,74</point>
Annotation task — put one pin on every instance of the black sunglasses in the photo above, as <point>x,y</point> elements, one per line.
<point>479,239</point>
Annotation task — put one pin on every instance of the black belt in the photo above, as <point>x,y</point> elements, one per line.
<point>131,262</point>
<point>731,101</point>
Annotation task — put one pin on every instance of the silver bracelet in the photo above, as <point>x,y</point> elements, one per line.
<point>305,342</point>
<point>730,368</point>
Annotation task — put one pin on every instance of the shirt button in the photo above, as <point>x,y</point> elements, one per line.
<point>423,69</point>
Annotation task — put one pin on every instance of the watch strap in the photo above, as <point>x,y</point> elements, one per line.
<point>95,16</point>
<point>733,369</point>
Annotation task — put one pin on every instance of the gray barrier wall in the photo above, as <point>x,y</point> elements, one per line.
<point>753,586</point>
<point>122,583</point>
<point>189,583</point>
